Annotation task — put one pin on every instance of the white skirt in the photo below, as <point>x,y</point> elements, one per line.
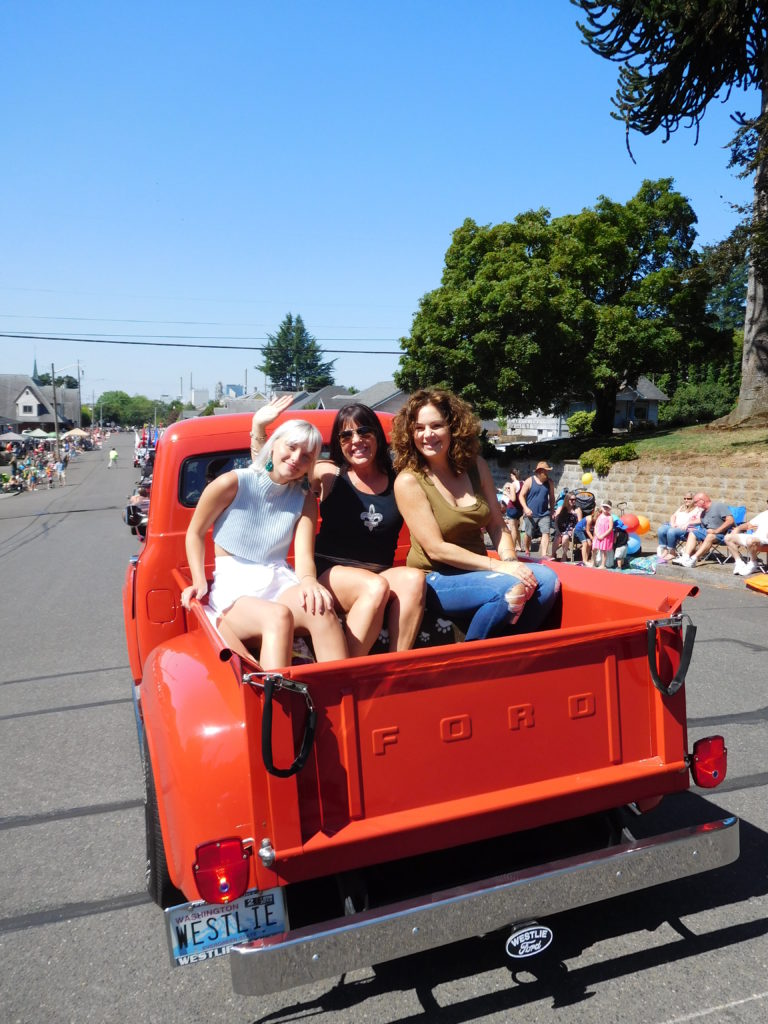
<point>235,577</point>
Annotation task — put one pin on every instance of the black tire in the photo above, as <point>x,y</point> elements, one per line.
<point>159,884</point>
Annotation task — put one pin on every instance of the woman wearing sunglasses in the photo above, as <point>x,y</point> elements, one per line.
<point>670,534</point>
<point>360,524</point>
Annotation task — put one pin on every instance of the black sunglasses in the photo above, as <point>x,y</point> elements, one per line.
<point>347,435</point>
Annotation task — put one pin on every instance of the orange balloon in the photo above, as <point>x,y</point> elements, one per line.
<point>643,525</point>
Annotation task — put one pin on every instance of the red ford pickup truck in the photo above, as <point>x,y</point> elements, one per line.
<point>338,815</point>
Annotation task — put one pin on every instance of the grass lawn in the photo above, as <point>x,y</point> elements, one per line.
<point>743,446</point>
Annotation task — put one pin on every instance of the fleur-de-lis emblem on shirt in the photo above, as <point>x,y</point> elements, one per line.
<point>371,518</point>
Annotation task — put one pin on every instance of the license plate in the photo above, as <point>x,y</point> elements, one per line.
<point>202,931</point>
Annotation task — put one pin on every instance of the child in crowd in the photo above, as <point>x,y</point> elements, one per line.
<point>583,535</point>
<point>620,543</point>
<point>602,545</point>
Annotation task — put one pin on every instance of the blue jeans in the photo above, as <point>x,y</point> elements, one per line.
<point>670,536</point>
<point>482,595</point>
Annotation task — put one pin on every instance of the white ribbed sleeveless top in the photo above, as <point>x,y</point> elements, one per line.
<point>259,523</point>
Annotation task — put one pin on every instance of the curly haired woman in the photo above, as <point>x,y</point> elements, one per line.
<point>447,496</point>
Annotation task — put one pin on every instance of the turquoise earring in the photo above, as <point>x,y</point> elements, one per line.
<point>270,465</point>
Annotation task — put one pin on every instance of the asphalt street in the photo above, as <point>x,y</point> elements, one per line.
<point>80,941</point>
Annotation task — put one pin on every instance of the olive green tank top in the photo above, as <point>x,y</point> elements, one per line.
<point>461,526</point>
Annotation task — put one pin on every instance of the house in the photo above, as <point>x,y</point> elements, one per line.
<point>383,397</point>
<point>540,426</point>
<point>25,404</point>
<point>333,396</point>
<point>638,405</point>
<point>634,406</point>
<point>229,405</point>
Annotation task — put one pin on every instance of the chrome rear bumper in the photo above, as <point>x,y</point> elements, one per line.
<point>376,936</point>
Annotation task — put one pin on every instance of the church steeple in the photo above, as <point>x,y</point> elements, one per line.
<point>35,378</point>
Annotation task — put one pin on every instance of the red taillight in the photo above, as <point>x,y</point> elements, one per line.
<point>221,870</point>
<point>710,762</point>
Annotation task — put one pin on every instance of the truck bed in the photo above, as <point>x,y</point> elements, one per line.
<point>427,749</point>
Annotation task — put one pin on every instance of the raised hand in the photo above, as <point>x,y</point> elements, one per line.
<point>263,417</point>
<point>268,413</point>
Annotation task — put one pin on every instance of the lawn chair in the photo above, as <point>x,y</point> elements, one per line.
<point>719,552</point>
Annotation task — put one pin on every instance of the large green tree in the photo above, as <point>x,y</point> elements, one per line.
<point>114,407</point>
<point>120,407</point>
<point>538,311</point>
<point>293,360</point>
<point>676,56</point>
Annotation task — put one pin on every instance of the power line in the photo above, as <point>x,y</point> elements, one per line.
<point>93,340</point>
<point>183,323</point>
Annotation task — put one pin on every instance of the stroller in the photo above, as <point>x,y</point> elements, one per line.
<point>586,501</point>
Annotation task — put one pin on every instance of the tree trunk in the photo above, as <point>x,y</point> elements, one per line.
<point>752,403</point>
<point>605,411</point>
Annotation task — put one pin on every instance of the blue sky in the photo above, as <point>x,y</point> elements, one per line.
<point>193,171</point>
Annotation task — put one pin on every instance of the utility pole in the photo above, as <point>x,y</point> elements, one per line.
<point>55,411</point>
<point>79,399</point>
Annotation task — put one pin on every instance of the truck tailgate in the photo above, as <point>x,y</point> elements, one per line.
<point>434,748</point>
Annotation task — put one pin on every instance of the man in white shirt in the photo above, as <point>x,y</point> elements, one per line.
<point>752,536</point>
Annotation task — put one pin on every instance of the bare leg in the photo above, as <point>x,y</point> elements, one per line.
<point>690,544</point>
<point>324,628</point>
<point>408,588</point>
<point>251,619</point>
<point>704,547</point>
<point>734,549</point>
<point>544,544</point>
<point>363,596</point>
<point>511,525</point>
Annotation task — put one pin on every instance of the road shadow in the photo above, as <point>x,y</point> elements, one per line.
<point>557,974</point>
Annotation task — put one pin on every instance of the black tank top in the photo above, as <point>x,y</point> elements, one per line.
<point>358,529</point>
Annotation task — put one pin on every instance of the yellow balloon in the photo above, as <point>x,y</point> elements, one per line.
<point>586,479</point>
<point>643,525</point>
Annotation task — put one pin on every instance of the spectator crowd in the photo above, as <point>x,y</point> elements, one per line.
<point>38,467</point>
<point>575,525</point>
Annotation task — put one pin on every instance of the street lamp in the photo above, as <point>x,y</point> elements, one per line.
<point>96,380</point>
<point>80,375</point>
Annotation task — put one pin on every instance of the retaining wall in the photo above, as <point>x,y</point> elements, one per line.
<point>655,490</point>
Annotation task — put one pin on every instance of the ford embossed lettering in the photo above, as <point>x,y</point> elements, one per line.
<point>529,941</point>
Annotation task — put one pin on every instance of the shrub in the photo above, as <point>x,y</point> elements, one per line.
<point>596,459</point>
<point>625,453</point>
<point>600,460</point>
<point>580,424</point>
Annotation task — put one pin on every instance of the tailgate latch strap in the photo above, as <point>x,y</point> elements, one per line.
<point>269,682</point>
<point>683,623</point>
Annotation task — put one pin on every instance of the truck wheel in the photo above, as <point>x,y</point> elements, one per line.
<point>159,884</point>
